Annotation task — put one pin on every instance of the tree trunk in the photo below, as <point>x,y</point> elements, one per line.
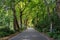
<point>21,11</point>
<point>51,27</point>
<point>16,25</point>
<point>26,22</point>
<point>21,19</point>
<point>48,10</point>
<point>58,7</point>
<point>51,23</point>
<point>37,19</point>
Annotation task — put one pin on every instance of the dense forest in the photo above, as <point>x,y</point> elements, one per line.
<point>18,15</point>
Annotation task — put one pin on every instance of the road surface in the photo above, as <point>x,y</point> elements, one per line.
<point>29,34</point>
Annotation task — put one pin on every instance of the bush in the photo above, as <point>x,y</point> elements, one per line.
<point>5,32</point>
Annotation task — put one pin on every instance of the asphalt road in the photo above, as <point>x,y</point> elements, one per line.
<point>29,34</point>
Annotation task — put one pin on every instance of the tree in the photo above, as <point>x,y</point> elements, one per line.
<point>22,7</point>
<point>49,14</point>
<point>16,25</point>
<point>58,7</point>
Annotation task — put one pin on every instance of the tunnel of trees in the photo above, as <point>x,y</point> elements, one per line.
<point>42,15</point>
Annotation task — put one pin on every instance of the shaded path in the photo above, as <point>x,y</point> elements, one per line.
<point>29,34</point>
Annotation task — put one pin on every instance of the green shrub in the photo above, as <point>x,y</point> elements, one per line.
<point>5,32</point>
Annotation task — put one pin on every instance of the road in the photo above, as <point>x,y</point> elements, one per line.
<point>29,34</point>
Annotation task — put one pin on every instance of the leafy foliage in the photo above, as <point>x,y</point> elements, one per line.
<point>37,13</point>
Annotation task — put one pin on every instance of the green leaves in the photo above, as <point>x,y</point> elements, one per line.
<point>34,11</point>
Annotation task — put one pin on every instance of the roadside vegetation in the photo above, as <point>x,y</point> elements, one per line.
<point>18,15</point>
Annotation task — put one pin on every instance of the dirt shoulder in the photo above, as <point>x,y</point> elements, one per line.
<point>44,34</point>
<point>6,38</point>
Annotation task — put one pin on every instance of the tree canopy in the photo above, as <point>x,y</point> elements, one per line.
<point>39,14</point>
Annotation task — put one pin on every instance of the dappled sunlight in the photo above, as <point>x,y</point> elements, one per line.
<point>29,16</point>
<point>25,39</point>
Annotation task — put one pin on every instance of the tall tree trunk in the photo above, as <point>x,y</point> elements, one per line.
<point>48,10</point>
<point>21,19</point>
<point>15,22</point>
<point>21,11</point>
<point>26,22</point>
<point>58,7</point>
<point>37,19</point>
<point>51,23</point>
<point>16,25</point>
